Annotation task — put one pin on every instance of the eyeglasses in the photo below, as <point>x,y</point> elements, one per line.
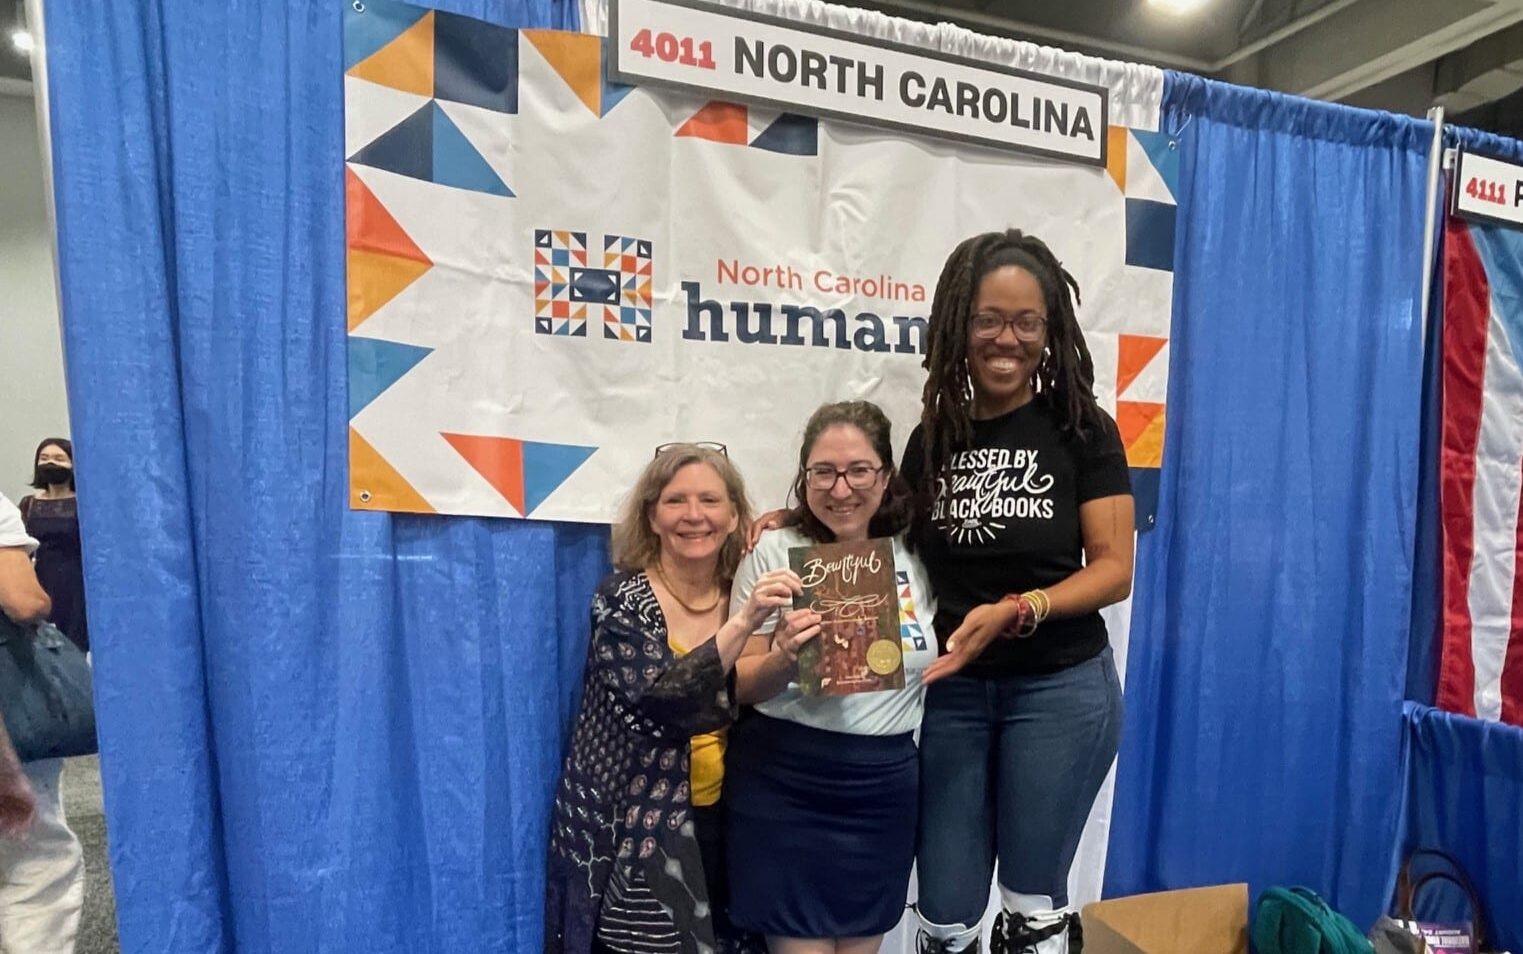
<point>858,476</point>
<point>706,445</point>
<point>1027,327</point>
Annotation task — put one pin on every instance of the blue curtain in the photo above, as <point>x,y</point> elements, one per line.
<point>321,730</point>
<point>1269,637</point>
<point>1464,794</point>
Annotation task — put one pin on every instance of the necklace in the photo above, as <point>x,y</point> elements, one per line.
<point>695,610</point>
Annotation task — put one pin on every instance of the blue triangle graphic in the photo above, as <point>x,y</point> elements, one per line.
<point>546,467</point>
<point>794,135</point>
<point>1164,154</point>
<point>375,365</point>
<point>381,22</point>
<point>457,163</point>
<point>613,94</point>
<point>406,148</point>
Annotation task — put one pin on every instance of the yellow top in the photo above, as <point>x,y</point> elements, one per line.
<point>707,766</point>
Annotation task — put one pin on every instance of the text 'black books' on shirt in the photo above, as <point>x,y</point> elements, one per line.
<point>1005,519</point>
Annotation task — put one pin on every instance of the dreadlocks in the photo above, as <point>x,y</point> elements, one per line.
<point>1065,377</point>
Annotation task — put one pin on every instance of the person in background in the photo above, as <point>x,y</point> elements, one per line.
<point>42,884</point>
<point>636,863</point>
<point>824,789</point>
<point>1026,532</point>
<point>52,518</point>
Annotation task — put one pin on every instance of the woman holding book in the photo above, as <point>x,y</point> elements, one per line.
<point>1027,532</point>
<point>636,861</point>
<point>1024,520</point>
<point>822,790</point>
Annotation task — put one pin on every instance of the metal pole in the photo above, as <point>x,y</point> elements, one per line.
<point>1430,212</point>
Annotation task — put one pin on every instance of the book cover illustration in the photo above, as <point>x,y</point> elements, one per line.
<point>852,587</point>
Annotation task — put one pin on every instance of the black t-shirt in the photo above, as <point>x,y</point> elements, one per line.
<point>1005,519</point>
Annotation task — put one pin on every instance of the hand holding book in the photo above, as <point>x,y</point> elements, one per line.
<point>797,628</point>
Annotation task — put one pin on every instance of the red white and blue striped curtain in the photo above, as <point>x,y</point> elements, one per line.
<point>1481,473</point>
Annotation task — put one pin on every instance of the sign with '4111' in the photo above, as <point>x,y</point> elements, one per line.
<point>1488,190</point>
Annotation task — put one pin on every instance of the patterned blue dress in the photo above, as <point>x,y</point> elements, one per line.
<point>624,797</point>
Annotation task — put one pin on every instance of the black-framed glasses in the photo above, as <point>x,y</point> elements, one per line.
<point>706,445</point>
<point>1027,327</point>
<point>823,477</point>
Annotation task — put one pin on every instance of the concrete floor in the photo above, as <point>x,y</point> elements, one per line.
<point>82,805</point>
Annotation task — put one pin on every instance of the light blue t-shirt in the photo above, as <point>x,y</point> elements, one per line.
<point>887,712</point>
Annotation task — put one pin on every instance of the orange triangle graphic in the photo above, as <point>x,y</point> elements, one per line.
<point>719,122</point>
<point>375,485</point>
<point>499,459</point>
<point>1135,353</point>
<point>1116,139</point>
<point>375,279</point>
<point>1147,449</point>
<point>406,63</point>
<point>577,58</point>
<point>1138,421</point>
<point>369,226</point>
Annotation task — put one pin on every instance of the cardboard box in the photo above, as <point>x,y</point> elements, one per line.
<point>1193,921</point>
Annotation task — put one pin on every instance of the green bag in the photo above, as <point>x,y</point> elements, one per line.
<point>1296,921</point>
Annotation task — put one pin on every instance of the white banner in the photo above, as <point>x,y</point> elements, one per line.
<point>752,58</point>
<point>550,274</point>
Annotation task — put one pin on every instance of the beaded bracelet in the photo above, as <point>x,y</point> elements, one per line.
<point>1039,604</point>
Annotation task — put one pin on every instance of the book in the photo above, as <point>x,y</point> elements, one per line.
<point>1446,938</point>
<point>852,587</point>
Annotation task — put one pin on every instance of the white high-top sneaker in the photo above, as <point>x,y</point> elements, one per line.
<point>1031,925</point>
<point>926,944</point>
<point>947,938</point>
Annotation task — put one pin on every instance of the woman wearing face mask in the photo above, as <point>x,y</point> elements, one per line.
<point>822,790</point>
<point>52,517</point>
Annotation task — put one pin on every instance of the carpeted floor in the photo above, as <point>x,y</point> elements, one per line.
<point>82,805</point>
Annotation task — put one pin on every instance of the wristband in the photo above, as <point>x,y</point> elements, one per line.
<point>1028,624</point>
<point>1038,603</point>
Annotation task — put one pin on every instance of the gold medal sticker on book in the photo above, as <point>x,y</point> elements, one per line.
<point>852,587</point>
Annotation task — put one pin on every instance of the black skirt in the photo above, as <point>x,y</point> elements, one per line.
<point>821,829</point>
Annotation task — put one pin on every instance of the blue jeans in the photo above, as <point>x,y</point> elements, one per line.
<point>1009,767</point>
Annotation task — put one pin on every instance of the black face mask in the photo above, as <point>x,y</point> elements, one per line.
<point>54,473</point>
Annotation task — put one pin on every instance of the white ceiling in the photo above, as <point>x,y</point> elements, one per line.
<point>1403,55</point>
